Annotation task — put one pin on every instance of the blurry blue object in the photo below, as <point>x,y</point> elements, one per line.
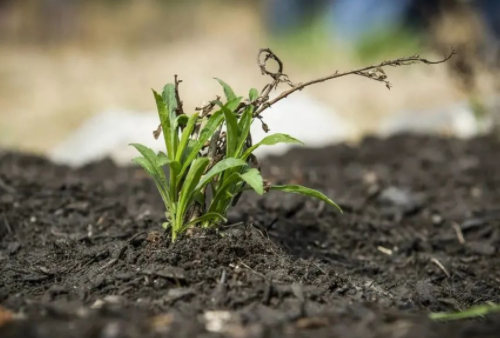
<point>283,14</point>
<point>490,13</point>
<point>286,15</point>
<point>352,20</point>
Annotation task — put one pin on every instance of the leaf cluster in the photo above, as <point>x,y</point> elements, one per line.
<point>209,160</point>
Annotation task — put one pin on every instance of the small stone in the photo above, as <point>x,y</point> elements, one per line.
<point>370,178</point>
<point>481,248</point>
<point>14,247</point>
<point>216,321</point>
<point>399,202</point>
<point>114,299</point>
<point>437,219</point>
<point>98,304</point>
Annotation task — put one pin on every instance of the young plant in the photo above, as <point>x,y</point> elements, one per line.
<point>209,155</point>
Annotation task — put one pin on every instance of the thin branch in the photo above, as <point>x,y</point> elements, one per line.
<point>279,76</point>
<point>206,109</point>
<point>373,72</point>
<point>180,109</point>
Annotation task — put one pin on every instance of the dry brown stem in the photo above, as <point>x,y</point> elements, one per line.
<point>373,72</point>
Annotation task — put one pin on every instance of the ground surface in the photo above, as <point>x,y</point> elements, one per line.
<point>79,256</point>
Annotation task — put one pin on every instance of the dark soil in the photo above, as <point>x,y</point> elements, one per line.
<point>82,254</point>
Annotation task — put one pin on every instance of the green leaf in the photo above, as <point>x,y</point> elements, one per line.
<point>271,140</point>
<point>231,104</point>
<point>168,96</point>
<point>254,179</point>
<point>186,134</point>
<point>176,167</point>
<point>145,164</point>
<point>232,132</point>
<point>181,120</point>
<point>476,311</point>
<point>166,124</point>
<point>297,189</point>
<point>254,93</point>
<point>162,159</point>
<point>158,177</point>
<point>189,148</point>
<point>148,153</point>
<point>190,186</point>
<point>206,217</point>
<point>223,193</point>
<point>225,164</point>
<point>207,132</point>
<point>234,103</point>
<point>244,129</point>
<point>228,91</point>
<point>199,197</point>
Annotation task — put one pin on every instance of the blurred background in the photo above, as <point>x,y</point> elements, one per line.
<point>73,73</point>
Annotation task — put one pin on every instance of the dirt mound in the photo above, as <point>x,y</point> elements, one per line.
<point>82,254</point>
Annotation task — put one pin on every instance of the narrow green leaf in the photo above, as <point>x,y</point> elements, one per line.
<point>223,193</point>
<point>234,103</point>
<point>145,164</point>
<point>231,104</point>
<point>271,140</point>
<point>199,197</point>
<point>228,91</point>
<point>186,134</point>
<point>232,132</point>
<point>254,93</point>
<point>225,164</point>
<point>206,217</point>
<point>187,151</point>
<point>162,159</point>
<point>157,176</point>
<point>254,179</point>
<point>207,132</point>
<point>148,153</point>
<point>244,129</point>
<point>476,311</point>
<point>166,124</point>
<point>176,167</point>
<point>188,188</point>
<point>297,189</point>
<point>168,96</point>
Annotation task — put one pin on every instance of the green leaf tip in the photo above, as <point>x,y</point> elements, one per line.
<point>298,189</point>
<point>228,91</point>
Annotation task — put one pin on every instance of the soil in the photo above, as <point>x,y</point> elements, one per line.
<point>82,253</point>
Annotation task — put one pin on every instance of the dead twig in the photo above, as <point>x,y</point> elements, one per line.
<point>441,266</point>
<point>252,270</point>
<point>206,109</point>
<point>458,231</point>
<point>179,110</point>
<point>374,72</point>
<point>278,76</point>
